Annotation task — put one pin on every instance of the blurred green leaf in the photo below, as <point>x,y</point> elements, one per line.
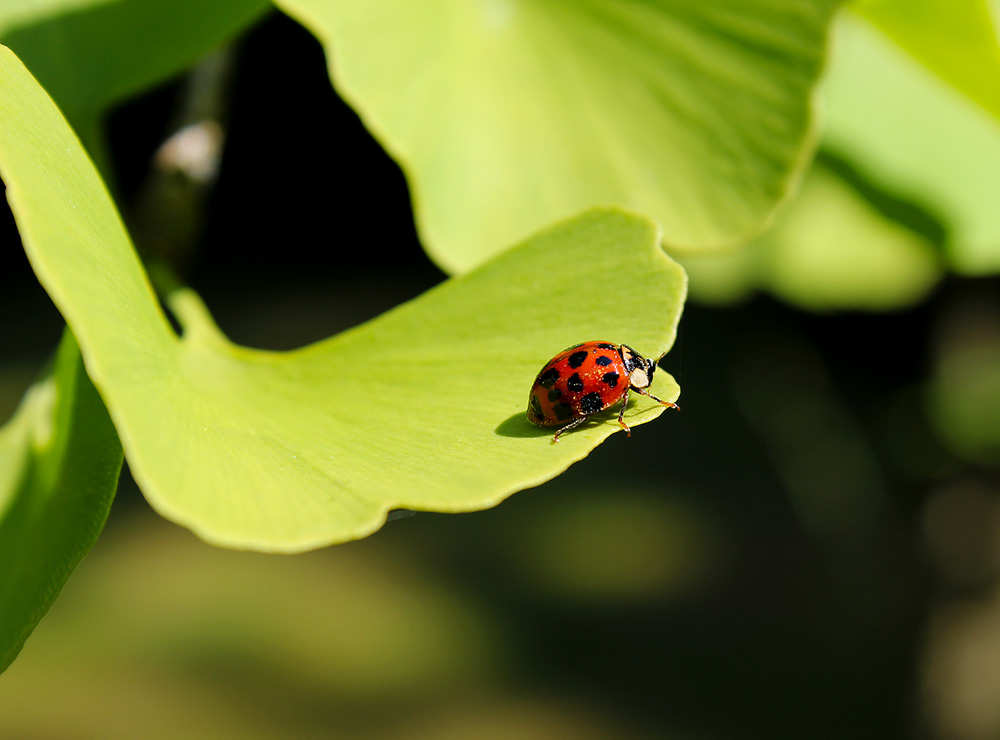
<point>834,250</point>
<point>917,136</point>
<point>59,465</point>
<point>955,40</point>
<point>90,54</point>
<point>829,250</point>
<point>509,115</point>
<point>422,408</point>
<point>912,136</point>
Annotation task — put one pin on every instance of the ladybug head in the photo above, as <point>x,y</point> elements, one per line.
<point>640,370</point>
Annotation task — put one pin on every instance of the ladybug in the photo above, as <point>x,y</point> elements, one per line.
<point>587,378</point>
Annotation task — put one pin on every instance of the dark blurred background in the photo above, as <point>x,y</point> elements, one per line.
<point>800,553</point>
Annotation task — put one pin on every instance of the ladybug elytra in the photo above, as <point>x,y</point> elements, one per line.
<point>585,379</point>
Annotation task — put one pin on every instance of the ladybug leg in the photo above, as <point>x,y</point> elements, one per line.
<point>659,400</point>
<point>572,425</point>
<point>621,414</point>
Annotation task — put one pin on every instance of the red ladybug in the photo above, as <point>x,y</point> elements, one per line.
<point>587,378</point>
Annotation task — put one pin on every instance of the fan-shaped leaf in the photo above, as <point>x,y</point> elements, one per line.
<point>421,408</point>
<point>510,114</point>
<point>59,464</point>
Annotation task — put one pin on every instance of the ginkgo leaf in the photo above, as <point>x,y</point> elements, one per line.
<point>59,465</point>
<point>509,114</point>
<point>421,408</point>
<point>917,136</point>
<point>958,41</point>
<point>830,249</point>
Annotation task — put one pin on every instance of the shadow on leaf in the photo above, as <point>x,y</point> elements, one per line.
<point>518,425</point>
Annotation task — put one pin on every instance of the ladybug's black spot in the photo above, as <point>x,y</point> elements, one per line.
<point>610,378</point>
<point>574,383</point>
<point>605,345</point>
<point>548,378</point>
<point>577,358</point>
<point>591,403</point>
<point>603,360</point>
<point>562,411</point>
<point>555,394</point>
<point>535,405</point>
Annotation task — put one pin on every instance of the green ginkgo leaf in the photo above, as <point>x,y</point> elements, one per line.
<point>421,408</point>
<point>829,250</point>
<point>59,465</point>
<point>509,114</point>
<point>958,41</point>
<point>917,136</point>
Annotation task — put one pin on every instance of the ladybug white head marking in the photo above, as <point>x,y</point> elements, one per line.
<point>640,370</point>
<point>640,377</point>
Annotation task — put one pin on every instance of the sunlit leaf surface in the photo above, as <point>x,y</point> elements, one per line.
<point>421,408</point>
<point>509,114</point>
